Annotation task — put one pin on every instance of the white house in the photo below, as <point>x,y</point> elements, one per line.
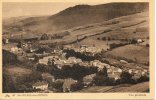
<point>31,58</point>
<point>130,71</point>
<point>139,40</point>
<point>32,49</point>
<point>40,85</point>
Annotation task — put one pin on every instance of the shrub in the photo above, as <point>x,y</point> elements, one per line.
<point>113,38</point>
<point>44,37</point>
<point>133,41</point>
<point>41,68</point>
<point>8,83</point>
<point>84,56</point>
<point>77,86</point>
<point>147,45</point>
<point>58,86</point>
<point>111,81</point>
<point>114,45</point>
<point>100,80</point>
<point>77,72</point>
<point>103,72</point>
<point>143,78</point>
<point>56,72</point>
<point>9,58</point>
<point>98,38</point>
<point>104,38</point>
<point>126,77</point>
<point>109,39</point>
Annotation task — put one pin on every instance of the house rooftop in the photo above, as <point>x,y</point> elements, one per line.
<point>89,77</point>
<point>68,82</point>
<point>40,83</point>
<point>45,75</point>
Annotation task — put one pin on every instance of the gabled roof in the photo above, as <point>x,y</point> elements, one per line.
<point>89,77</point>
<point>68,82</point>
<point>40,83</point>
<point>47,75</point>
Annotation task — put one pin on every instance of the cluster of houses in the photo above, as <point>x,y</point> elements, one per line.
<point>48,79</point>
<point>59,61</point>
<point>84,49</point>
<point>20,48</point>
<point>30,51</point>
<point>113,72</point>
<point>137,73</point>
<point>57,58</point>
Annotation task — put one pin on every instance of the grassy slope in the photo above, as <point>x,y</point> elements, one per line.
<point>14,77</point>
<point>141,87</point>
<point>92,31</point>
<point>116,30</point>
<point>97,29</point>
<point>9,58</point>
<point>17,71</point>
<point>133,52</point>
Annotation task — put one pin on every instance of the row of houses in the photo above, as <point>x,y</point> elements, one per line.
<point>48,79</point>
<point>84,49</point>
<point>112,72</point>
<point>115,72</point>
<point>59,61</point>
<point>30,51</point>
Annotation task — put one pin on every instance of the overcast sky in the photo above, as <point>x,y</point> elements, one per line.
<point>14,9</point>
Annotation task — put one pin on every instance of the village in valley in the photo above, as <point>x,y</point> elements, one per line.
<point>79,59</point>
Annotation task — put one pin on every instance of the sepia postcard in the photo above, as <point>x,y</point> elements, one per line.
<point>77,50</point>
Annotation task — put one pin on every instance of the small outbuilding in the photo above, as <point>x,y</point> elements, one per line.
<point>67,84</point>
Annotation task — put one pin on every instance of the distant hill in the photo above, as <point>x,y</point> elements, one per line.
<point>73,17</point>
<point>85,14</point>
